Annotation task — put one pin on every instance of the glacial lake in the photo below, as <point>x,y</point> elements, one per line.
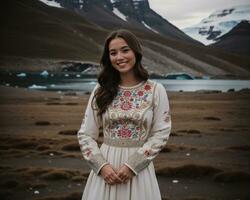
<point>80,82</point>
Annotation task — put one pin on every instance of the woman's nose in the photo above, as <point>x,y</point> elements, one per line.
<point>119,55</point>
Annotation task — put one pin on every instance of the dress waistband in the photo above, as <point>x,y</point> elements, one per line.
<point>122,142</point>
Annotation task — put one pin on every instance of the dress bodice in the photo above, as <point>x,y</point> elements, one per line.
<point>130,115</point>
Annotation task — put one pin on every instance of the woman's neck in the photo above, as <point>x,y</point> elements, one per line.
<point>128,80</point>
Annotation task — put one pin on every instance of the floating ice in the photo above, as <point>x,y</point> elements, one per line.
<point>21,75</point>
<point>36,192</point>
<point>34,86</point>
<point>44,73</point>
<point>175,181</point>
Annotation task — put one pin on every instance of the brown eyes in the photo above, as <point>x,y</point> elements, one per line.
<point>113,53</point>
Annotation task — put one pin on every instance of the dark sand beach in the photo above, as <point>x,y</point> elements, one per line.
<point>207,156</point>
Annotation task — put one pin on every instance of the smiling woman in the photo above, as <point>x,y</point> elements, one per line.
<point>133,114</point>
<point>122,57</point>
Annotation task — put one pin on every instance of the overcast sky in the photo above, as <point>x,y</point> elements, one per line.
<point>183,13</point>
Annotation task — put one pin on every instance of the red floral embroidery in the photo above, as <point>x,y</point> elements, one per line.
<point>167,117</point>
<point>146,152</point>
<point>147,87</point>
<point>140,93</point>
<point>124,133</point>
<point>126,106</point>
<point>127,93</point>
<point>122,121</point>
<point>88,152</point>
<point>126,101</point>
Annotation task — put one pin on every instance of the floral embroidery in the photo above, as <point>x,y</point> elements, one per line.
<point>125,129</point>
<point>124,133</point>
<point>135,98</point>
<point>166,116</point>
<point>126,105</point>
<point>147,87</point>
<point>147,152</point>
<point>127,93</point>
<point>126,111</point>
<point>140,93</point>
<point>87,152</point>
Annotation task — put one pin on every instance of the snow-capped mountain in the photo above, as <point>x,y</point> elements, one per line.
<point>74,34</point>
<point>218,23</point>
<point>130,14</point>
<point>237,40</point>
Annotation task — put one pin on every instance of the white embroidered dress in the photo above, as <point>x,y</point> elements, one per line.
<point>136,126</point>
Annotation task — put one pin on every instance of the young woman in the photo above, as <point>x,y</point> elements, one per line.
<point>133,114</point>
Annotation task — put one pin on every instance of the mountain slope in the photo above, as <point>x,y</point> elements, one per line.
<point>135,14</point>
<point>218,24</point>
<point>30,25</point>
<point>34,30</point>
<point>237,40</point>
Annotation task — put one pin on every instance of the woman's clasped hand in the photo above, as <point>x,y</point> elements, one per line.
<point>114,176</point>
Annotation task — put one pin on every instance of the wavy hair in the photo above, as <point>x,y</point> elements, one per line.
<point>109,77</point>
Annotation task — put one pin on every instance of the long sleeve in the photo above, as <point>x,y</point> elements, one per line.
<point>87,136</point>
<point>158,135</point>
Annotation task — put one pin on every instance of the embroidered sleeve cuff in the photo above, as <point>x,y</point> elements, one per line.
<point>137,162</point>
<point>96,162</point>
<point>131,168</point>
<point>98,171</point>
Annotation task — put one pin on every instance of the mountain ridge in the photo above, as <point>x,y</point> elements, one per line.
<point>37,31</point>
<point>137,12</point>
<point>218,23</point>
<point>236,40</point>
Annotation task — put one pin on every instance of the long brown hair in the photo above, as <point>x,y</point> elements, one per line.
<point>109,77</point>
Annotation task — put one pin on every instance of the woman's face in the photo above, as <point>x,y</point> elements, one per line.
<point>121,56</point>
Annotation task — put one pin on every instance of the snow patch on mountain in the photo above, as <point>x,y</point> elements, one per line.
<point>119,14</point>
<point>52,3</point>
<point>218,23</point>
<point>148,27</point>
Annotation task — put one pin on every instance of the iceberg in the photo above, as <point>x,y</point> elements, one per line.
<point>44,73</point>
<point>21,75</point>
<point>34,86</point>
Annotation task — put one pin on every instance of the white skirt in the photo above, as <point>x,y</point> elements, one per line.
<point>143,186</point>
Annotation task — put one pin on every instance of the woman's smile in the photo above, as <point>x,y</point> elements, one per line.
<point>121,56</point>
<point>122,64</point>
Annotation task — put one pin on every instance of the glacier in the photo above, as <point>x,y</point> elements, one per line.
<point>218,23</point>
